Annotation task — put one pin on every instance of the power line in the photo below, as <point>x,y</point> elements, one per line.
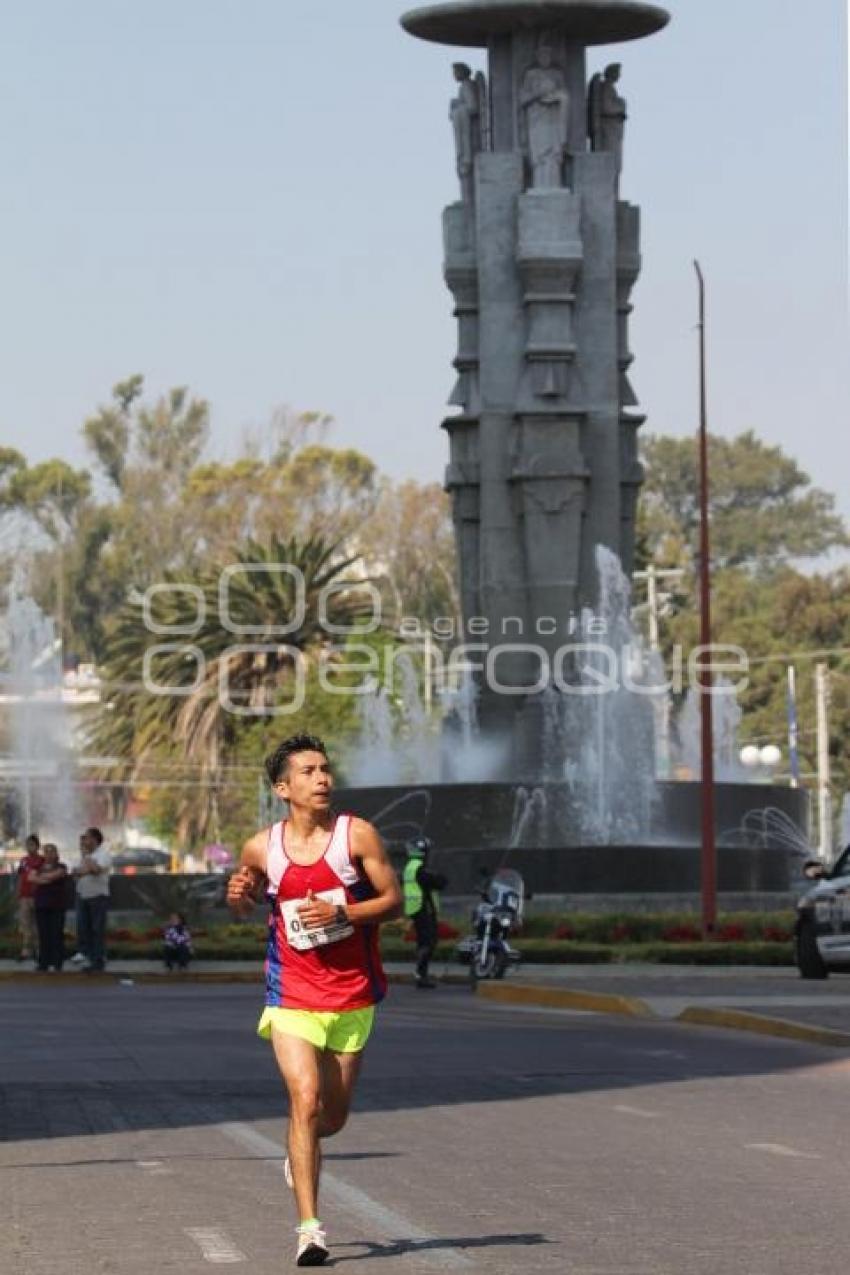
<point>786,657</point>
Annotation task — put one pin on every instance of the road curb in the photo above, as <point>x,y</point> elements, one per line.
<point>762,1025</point>
<point>565,998</point>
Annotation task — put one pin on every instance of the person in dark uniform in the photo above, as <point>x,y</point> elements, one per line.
<point>422,905</point>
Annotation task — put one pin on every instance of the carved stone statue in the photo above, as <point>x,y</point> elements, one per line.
<point>545,106</point>
<point>467,113</point>
<point>607,114</point>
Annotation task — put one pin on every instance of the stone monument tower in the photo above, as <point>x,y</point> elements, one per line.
<point>541,255</point>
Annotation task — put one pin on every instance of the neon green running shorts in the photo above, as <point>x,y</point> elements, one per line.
<point>343,1033</point>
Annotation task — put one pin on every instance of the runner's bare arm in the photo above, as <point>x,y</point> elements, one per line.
<point>368,848</point>
<point>246,885</point>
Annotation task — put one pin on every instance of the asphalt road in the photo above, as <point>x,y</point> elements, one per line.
<point>142,1130</point>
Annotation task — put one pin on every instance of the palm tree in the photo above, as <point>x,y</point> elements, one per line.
<point>230,630</point>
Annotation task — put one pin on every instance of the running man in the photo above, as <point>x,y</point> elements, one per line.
<point>329,884</point>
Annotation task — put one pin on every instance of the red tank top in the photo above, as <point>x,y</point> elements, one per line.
<point>338,976</point>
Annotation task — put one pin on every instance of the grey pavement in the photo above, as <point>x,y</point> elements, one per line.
<point>773,991</point>
<point>142,1130</point>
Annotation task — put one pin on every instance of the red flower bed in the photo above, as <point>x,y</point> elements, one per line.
<point>681,934</point>
<point>445,933</point>
<point>732,933</point>
<point>565,932</point>
<point>775,934</point>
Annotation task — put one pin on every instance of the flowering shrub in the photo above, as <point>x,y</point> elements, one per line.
<point>776,934</point>
<point>685,933</point>
<point>445,933</point>
<point>732,933</point>
<point>565,931</point>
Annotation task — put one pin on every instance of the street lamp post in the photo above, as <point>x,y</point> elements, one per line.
<point>708,862</point>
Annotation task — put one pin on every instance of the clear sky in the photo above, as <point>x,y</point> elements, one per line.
<point>244,196</point>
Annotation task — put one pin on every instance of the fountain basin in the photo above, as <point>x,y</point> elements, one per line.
<point>762,830</point>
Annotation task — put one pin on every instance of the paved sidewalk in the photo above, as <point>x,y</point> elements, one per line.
<point>667,990</point>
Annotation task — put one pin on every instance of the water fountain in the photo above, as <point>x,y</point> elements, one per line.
<point>541,257</point>
<point>37,775</point>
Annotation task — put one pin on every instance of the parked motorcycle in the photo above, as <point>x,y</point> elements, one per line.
<point>486,950</point>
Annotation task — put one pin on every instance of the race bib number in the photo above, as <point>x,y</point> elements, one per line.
<point>303,939</point>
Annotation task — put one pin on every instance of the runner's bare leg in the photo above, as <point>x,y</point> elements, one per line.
<point>339,1074</point>
<point>299,1064</point>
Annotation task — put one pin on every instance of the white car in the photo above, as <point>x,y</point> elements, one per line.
<point>822,932</point>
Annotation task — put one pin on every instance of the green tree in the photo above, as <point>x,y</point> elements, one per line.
<point>763,507</point>
<point>52,494</point>
<point>201,721</point>
<point>11,464</point>
<point>161,505</point>
<point>317,491</point>
<point>786,619</point>
<point>109,431</point>
<point>409,543</point>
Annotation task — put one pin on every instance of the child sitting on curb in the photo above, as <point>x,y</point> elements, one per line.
<point>177,940</point>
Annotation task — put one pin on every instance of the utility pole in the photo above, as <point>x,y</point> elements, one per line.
<point>652,599</point>
<point>652,575</point>
<point>708,862</point>
<point>793,750</point>
<point>824,799</point>
<point>661,703</point>
<point>427,686</point>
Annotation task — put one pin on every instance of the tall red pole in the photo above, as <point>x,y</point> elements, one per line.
<point>708,872</point>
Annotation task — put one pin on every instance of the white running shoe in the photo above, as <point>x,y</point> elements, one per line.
<point>77,959</point>
<point>312,1247</point>
<point>287,1174</point>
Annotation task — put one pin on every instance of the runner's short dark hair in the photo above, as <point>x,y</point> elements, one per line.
<point>277,763</point>
<point>95,834</point>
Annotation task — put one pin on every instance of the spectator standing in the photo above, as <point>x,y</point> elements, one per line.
<point>177,942</point>
<point>51,893</point>
<point>29,866</point>
<point>92,876</point>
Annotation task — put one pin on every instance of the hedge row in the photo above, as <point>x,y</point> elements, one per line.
<point>661,927</point>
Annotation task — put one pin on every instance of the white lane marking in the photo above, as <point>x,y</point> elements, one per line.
<point>154,1168</point>
<point>216,1246</point>
<point>389,1224</point>
<point>637,1111</point>
<point>776,1148</point>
